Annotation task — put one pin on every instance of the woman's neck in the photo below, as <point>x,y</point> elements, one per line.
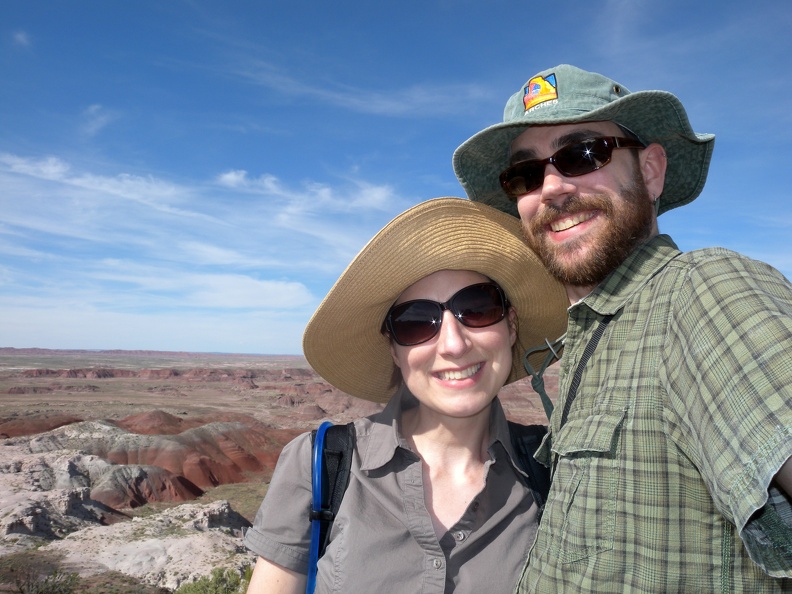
<point>453,456</point>
<point>432,435</point>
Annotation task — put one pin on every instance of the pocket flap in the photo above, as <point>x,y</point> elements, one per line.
<point>595,433</point>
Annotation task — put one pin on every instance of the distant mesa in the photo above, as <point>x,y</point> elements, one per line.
<point>197,373</point>
<point>34,424</point>
<point>156,422</point>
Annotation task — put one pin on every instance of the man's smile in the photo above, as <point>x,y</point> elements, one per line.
<point>572,220</point>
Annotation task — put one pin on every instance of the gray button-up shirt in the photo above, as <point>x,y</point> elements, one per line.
<point>383,539</point>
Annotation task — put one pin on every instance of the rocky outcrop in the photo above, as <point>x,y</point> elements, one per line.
<point>53,514</point>
<point>206,456</point>
<point>175,546</point>
<point>131,485</point>
<point>47,496</point>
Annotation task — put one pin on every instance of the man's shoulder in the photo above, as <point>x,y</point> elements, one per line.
<point>712,254</point>
<point>719,276</point>
<point>719,260</point>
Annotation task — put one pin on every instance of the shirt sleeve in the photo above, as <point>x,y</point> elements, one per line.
<point>729,364</point>
<point>281,532</point>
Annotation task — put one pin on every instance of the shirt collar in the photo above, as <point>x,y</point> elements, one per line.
<point>638,268</point>
<point>382,437</point>
<point>378,444</point>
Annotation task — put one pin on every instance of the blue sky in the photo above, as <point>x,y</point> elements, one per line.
<point>194,175</point>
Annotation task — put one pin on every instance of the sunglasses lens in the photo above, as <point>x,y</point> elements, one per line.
<point>522,177</point>
<point>415,322</point>
<point>584,157</point>
<point>476,306</point>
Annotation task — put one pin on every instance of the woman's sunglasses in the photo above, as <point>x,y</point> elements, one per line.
<point>572,160</point>
<point>475,306</point>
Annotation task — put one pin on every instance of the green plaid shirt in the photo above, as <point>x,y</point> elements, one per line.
<point>682,417</point>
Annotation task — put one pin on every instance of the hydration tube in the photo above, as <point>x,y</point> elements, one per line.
<point>316,504</point>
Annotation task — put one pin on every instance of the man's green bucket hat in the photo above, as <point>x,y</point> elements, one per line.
<point>565,95</point>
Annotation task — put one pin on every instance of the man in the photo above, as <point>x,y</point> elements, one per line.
<point>672,436</point>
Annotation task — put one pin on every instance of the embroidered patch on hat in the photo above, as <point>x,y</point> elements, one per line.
<point>540,89</point>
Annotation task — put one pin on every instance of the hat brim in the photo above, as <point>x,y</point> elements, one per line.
<point>343,342</point>
<point>654,116</point>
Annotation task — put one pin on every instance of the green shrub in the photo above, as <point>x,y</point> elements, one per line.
<point>221,581</point>
<point>36,572</point>
<point>58,582</point>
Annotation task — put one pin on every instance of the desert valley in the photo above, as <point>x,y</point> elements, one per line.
<point>145,468</point>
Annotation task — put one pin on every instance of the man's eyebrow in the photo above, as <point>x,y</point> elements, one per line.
<point>525,154</point>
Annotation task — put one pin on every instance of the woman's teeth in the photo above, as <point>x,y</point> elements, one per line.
<point>458,375</point>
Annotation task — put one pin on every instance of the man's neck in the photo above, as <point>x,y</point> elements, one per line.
<point>575,293</point>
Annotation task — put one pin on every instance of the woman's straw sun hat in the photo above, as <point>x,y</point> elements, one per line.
<point>343,342</point>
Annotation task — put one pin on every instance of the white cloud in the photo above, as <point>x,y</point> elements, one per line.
<point>233,179</point>
<point>209,254</point>
<point>239,179</point>
<point>355,195</point>
<point>46,168</point>
<point>149,191</point>
<point>133,285</point>
<point>131,243</point>
<point>422,100</point>
<point>95,118</point>
<point>21,38</point>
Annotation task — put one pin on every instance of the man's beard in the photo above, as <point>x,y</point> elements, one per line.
<point>627,227</point>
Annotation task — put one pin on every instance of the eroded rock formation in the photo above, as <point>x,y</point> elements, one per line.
<point>177,545</point>
<point>68,481</point>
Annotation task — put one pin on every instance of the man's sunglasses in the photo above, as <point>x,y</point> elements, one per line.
<point>475,306</point>
<point>572,160</point>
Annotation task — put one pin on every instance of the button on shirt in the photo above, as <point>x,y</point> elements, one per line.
<point>682,417</point>
<point>383,539</point>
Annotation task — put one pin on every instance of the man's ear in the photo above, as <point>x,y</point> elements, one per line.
<point>653,164</point>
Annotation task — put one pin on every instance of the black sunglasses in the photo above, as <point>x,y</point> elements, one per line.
<point>571,160</point>
<point>475,306</point>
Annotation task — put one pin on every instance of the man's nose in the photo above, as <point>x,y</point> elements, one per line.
<point>555,184</point>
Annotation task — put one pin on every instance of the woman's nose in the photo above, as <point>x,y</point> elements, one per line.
<point>453,339</point>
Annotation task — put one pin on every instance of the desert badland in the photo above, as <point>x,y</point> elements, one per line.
<point>150,465</point>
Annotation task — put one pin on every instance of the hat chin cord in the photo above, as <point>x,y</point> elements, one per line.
<point>537,379</point>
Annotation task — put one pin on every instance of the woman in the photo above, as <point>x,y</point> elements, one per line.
<point>425,318</point>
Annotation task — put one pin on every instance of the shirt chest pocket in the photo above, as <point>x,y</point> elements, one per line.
<point>580,515</point>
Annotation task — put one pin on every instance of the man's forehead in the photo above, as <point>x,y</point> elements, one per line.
<point>559,134</point>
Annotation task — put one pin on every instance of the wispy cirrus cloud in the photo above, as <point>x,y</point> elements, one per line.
<point>95,118</point>
<point>356,195</point>
<point>233,241</point>
<point>148,190</point>
<point>416,100</point>
<point>21,39</point>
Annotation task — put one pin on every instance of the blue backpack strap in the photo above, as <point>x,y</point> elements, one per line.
<point>319,488</point>
<point>331,464</point>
